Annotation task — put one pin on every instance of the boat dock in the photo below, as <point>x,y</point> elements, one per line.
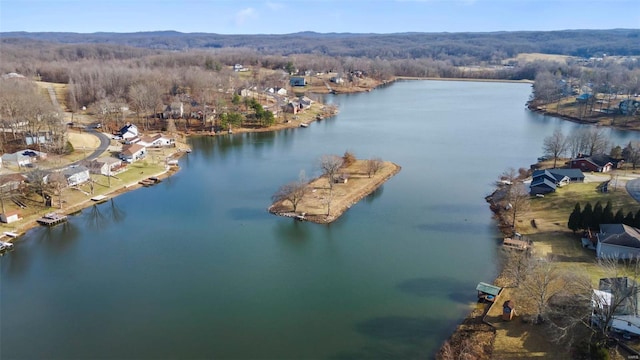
<point>150,181</point>
<point>99,199</point>
<point>52,219</point>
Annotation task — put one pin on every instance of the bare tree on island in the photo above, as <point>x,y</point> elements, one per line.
<point>330,164</point>
<point>292,192</point>
<point>373,166</point>
<point>555,145</point>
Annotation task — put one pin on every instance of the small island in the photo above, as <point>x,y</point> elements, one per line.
<point>345,181</point>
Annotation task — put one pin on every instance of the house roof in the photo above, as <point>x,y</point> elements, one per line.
<point>488,288</point>
<point>601,159</point>
<point>72,170</point>
<point>132,149</point>
<point>570,173</point>
<point>543,181</point>
<point>619,234</point>
<point>11,178</point>
<point>538,175</point>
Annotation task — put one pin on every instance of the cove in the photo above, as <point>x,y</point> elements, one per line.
<point>195,267</point>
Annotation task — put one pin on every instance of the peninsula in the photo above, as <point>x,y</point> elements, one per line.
<point>321,202</point>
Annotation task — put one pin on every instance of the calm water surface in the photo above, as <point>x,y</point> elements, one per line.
<point>196,268</point>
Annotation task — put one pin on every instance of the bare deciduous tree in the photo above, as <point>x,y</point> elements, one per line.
<point>373,166</point>
<point>542,283</point>
<point>293,192</point>
<point>330,164</point>
<point>555,145</point>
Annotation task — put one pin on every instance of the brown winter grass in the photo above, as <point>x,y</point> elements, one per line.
<point>552,240</point>
<point>315,202</point>
<point>551,213</point>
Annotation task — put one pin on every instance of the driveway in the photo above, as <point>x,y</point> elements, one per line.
<point>633,188</point>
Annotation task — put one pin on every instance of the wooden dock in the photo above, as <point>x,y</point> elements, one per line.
<point>99,199</point>
<point>52,219</point>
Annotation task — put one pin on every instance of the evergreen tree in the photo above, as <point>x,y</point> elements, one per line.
<point>598,214</point>
<point>629,219</point>
<point>607,214</point>
<point>575,219</point>
<point>619,217</point>
<point>586,217</point>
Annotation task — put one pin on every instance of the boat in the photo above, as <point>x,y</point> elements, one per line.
<point>4,246</point>
<point>304,125</point>
<point>11,234</point>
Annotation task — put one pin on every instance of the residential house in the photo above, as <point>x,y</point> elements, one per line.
<point>618,241</point>
<point>572,175</point>
<point>23,158</point>
<point>337,80</point>
<point>305,102</point>
<point>280,91</point>
<point>297,81</point>
<point>595,163</point>
<point>616,302</point>
<point>174,110</point>
<point>157,140</point>
<point>133,152</point>
<point>10,216</point>
<point>542,183</point>
<point>103,166</point>
<point>128,131</point>
<point>237,67</point>
<point>293,107</point>
<point>76,175</point>
<point>629,107</point>
<point>584,98</point>
<point>11,182</point>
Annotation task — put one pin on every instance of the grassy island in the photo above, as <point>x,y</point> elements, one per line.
<point>321,203</point>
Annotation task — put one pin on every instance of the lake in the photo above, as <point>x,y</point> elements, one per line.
<point>195,267</point>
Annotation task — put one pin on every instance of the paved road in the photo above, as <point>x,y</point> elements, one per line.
<point>105,141</point>
<point>633,188</point>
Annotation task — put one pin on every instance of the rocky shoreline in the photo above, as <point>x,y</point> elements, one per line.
<point>474,329</point>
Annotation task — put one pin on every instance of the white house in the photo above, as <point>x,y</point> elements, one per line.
<point>133,152</point>
<point>76,175</point>
<point>22,157</point>
<point>157,140</point>
<point>10,216</point>
<point>129,131</point>
<point>618,241</point>
<point>103,166</point>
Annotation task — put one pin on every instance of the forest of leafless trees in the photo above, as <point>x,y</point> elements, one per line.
<point>106,73</point>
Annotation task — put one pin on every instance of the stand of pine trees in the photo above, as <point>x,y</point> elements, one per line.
<point>592,216</point>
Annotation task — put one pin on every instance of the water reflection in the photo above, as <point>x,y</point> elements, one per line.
<point>374,195</point>
<point>292,232</point>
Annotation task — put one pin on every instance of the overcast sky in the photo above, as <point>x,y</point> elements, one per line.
<point>288,16</point>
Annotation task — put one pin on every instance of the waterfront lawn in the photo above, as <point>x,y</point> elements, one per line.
<point>552,240</point>
<point>551,213</point>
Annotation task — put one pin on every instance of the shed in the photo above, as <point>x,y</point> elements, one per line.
<point>10,216</point>
<point>488,292</point>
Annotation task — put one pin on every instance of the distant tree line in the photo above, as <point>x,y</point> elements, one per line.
<point>590,217</point>
<point>463,47</point>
